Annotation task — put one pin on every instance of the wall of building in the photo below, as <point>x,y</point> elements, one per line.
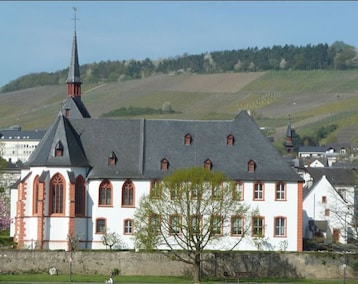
<point>315,265</point>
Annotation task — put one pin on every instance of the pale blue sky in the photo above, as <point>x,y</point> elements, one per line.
<point>37,36</point>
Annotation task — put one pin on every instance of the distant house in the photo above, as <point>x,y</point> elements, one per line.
<point>17,144</point>
<point>88,175</point>
<point>328,212</point>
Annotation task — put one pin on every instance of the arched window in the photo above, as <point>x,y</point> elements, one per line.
<point>230,140</point>
<point>57,195</point>
<point>105,193</point>
<point>35,196</point>
<point>187,139</point>
<point>80,196</point>
<point>208,164</point>
<point>128,193</point>
<point>164,164</point>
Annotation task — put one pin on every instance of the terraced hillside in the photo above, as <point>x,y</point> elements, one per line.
<point>311,98</point>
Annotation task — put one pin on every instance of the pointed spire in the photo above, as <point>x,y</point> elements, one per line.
<point>289,142</point>
<point>289,129</point>
<point>74,78</point>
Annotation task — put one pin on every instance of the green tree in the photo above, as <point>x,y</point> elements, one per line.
<point>188,211</point>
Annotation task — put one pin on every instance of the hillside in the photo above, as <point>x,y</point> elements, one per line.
<point>312,99</point>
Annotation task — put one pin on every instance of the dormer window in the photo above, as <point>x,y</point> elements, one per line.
<point>59,149</point>
<point>251,166</point>
<point>112,159</point>
<point>208,164</point>
<point>230,140</point>
<point>187,139</point>
<point>164,164</point>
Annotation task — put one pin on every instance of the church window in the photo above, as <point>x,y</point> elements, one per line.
<point>128,193</point>
<point>36,189</point>
<point>105,193</point>
<point>80,196</point>
<point>57,195</point>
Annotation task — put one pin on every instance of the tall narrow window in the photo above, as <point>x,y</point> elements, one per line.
<point>105,193</point>
<point>155,189</point>
<point>36,189</point>
<point>128,193</point>
<point>237,226</point>
<point>187,139</point>
<point>174,224</point>
<point>128,227</point>
<point>216,225</point>
<point>280,191</point>
<point>164,164</point>
<point>280,227</point>
<point>195,225</point>
<point>80,196</point>
<point>154,223</point>
<point>258,191</point>
<point>100,226</point>
<point>258,226</point>
<point>57,195</point>
<point>238,191</point>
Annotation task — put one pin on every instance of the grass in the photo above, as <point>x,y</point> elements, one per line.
<point>38,278</point>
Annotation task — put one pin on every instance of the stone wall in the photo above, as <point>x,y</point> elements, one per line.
<point>317,265</point>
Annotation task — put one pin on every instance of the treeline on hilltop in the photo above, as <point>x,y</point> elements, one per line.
<point>339,56</point>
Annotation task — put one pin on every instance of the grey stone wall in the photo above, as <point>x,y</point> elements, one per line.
<point>317,265</point>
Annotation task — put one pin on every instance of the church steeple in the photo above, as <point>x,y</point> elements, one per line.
<point>289,142</point>
<point>74,79</point>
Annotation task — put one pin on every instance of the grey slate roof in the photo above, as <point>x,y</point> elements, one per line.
<point>60,131</point>
<point>76,108</point>
<point>336,176</point>
<point>140,145</point>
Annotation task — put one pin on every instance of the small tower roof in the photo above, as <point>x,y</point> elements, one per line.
<point>74,69</point>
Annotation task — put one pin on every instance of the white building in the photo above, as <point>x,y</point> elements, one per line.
<point>17,144</point>
<point>88,175</point>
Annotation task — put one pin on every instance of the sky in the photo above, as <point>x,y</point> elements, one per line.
<point>36,36</point>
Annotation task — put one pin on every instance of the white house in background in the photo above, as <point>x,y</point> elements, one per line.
<point>17,144</point>
<point>88,175</point>
<point>328,211</point>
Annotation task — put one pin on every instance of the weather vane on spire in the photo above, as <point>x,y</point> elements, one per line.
<point>75,17</point>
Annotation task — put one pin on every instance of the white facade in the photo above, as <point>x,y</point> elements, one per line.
<point>324,203</point>
<point>56,228</point>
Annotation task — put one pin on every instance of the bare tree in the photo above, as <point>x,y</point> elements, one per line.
<point>111,240</point>
<point>188,211</point>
